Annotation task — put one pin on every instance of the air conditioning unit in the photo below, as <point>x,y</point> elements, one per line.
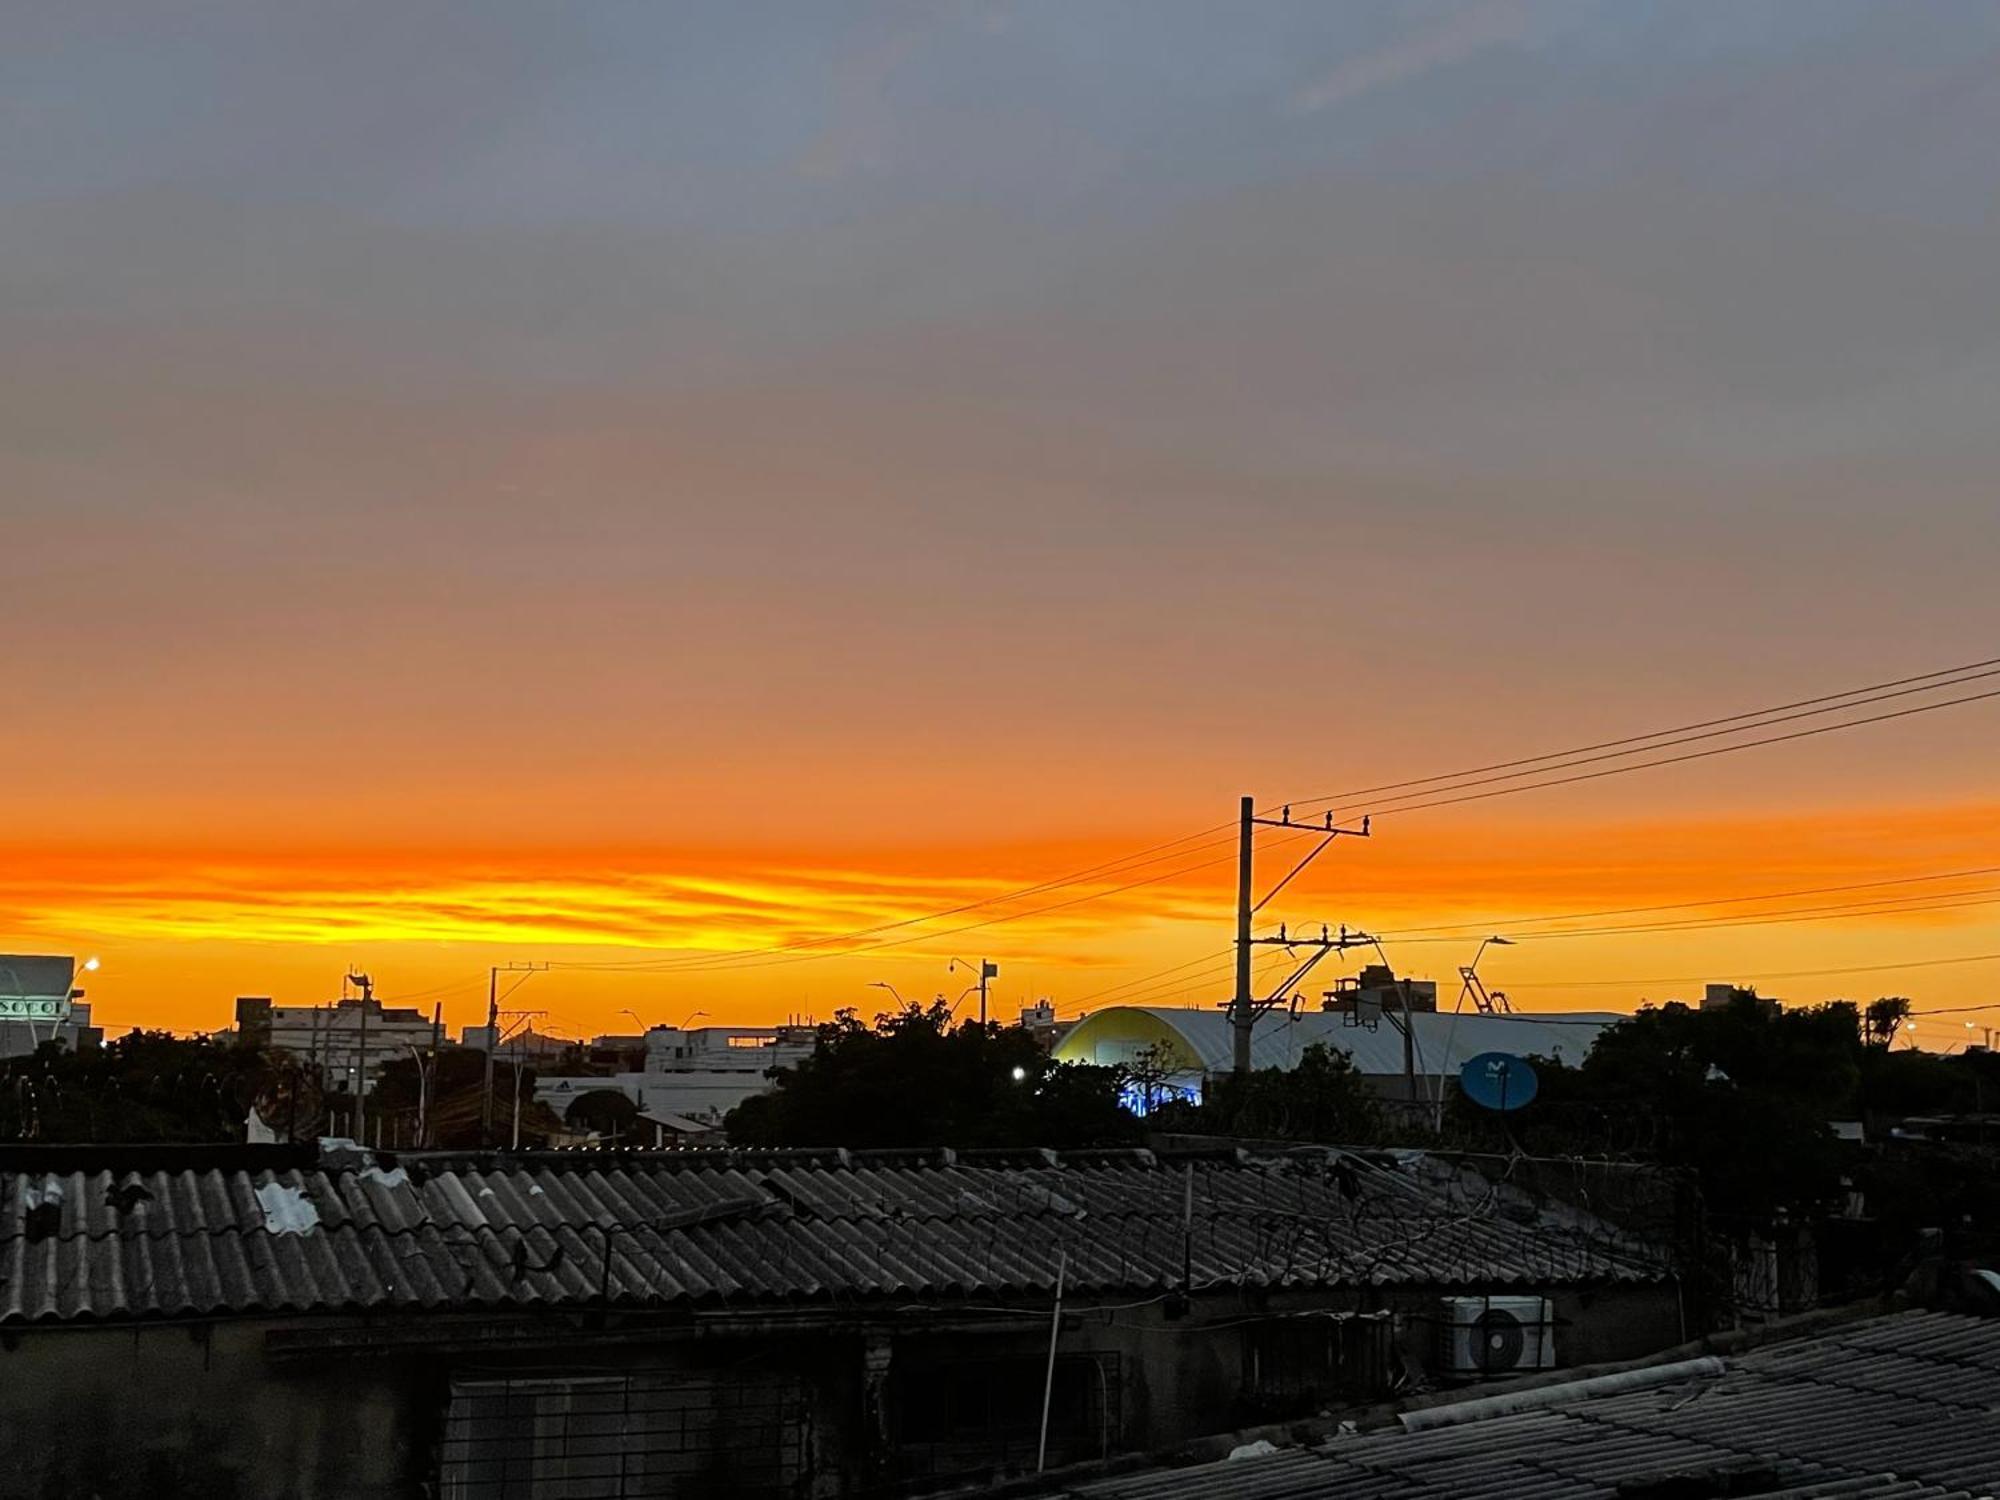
<point>1498,1335</point>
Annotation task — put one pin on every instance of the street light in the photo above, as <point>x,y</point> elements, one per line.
<point>684,1025</point>
<point>986,969</point>
<point>1468,985</point>
<point>418,1058</point>
<point>883,984</point>
<point>88,966</point>
<point>636,1016</point>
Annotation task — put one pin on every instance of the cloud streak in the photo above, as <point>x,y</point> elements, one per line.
<point>1445,43</point>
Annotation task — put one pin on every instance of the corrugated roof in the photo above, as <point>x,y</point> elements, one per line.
<point>711,1228</point>
<point>1898,1406</point>
<point>1443,1041</point>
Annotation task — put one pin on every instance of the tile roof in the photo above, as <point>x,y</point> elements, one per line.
<point>1907,1406</point>
<point>709,1228</point>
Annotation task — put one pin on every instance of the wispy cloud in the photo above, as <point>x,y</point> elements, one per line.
<point>1444,43</point>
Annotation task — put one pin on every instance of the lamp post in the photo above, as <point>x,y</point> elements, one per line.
<point>418,1058</point>
<point>883,984</point>
<point>88,966</point>
<point>1468,984</point>
<point>985,969</point>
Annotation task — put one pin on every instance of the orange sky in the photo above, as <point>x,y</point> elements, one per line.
<point>182,931</point>
<point>725,475</point>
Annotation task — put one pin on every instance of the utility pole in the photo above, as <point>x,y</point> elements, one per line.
<point>1409,1046</point>
<point>493,1038</point>
<point>492,1046</point>
<point>986,970</point>
<point>1245,1007</point>
<point>1242,1010</point>
<point>361,1072</point>
<point>428,1071</point>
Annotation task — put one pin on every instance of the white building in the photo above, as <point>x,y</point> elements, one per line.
<point>692,1077</point>
<point>340,1039</point>
<point>1189,1046</point>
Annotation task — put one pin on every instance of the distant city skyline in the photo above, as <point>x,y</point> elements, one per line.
<point>505,482</point>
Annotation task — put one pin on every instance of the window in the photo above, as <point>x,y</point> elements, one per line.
<point>621,1437</point>
<point>1293,1365</point>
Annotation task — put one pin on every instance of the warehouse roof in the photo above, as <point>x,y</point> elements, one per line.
<point>709,1228</point>
<point>1441,1041</point>
<point>1902,1406</point>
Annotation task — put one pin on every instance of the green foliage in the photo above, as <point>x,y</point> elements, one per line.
<point>1883,1016</point>
<point>1322,1099</point>
<point>455,1089</point>
<point>1740,1094</point>
<point>914,1079</point>
<point>606,1112</point>
<point>144,1086</point>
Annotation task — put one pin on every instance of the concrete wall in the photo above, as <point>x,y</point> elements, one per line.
<point>198,1410</point>
<point>205,1409</point>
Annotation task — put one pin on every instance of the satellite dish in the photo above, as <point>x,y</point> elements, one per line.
<point>1498,1080</point>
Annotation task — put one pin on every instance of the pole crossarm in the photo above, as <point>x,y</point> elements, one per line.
<point>1329,833</point>
<point>1245,1007</point>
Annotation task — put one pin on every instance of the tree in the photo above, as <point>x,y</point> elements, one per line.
<point>1882,1018</point>
<point>1322,1099</point>
<point>1740,1094</point>
<point>604,1112</point>
<point>454,1093</point>
<point>143,1086</point>
<point>915,1079</point>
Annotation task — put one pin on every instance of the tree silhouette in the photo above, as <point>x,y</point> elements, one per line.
<point>915,1079</point>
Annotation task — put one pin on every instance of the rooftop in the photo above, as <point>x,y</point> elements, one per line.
<point>93,1238</point>
<point>1897,1406</point>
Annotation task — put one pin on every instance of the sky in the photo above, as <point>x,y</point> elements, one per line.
<point>646,485</point>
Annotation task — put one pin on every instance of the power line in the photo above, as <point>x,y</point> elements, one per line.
<point>1642,739</point>
<point>1918,963</point>
<point>1499,924</point>
<point>1671,760</point>
<point>776,958</point>
<point>825,945</point>
<point>1209,959</point>
<point>1886,906</point>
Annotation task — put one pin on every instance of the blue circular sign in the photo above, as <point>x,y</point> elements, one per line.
<point>1498,1080</point>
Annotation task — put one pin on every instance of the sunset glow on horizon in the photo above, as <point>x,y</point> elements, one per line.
<point>655,494</point>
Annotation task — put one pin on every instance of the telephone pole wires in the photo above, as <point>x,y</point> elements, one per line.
<point>493,1037</point>
<point>1245,1007</point>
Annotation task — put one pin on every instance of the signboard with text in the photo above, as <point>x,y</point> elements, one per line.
<point>33,1007</point>
<point>35,987</point>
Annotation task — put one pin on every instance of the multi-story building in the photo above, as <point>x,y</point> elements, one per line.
<point>39,1002</point>
<point>692,1077</point>
<point>341,1040</point>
